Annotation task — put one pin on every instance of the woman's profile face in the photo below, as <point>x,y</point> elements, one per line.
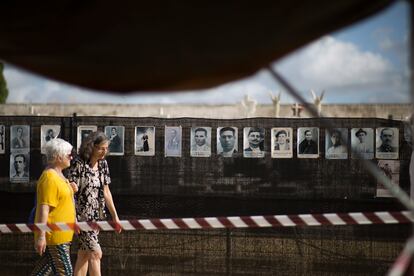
<point>100,150</point>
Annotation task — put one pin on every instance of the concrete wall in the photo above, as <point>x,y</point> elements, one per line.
<point>396,111</point>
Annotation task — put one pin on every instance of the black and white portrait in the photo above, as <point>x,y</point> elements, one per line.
<point>2,139</point>
<point>391,170</point>
<point>227,141</point>
<point>387,143</point>
<point>19,167</point>
<point>362,143</point>
<point>336,143</point>
<point>308,142</point>
<point>47,133</point>
<point>253,142</point>
<point>172,142</point>
<point>20,138</point>
<point>145,140</point>
<point>83,132</point>
<point>200,142</point>
<point>115,135</point>
<point>281,142</point>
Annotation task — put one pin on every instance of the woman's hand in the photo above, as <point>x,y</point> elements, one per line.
<point>74,186</point>
<point>40,245</point>
<point>118,227</point>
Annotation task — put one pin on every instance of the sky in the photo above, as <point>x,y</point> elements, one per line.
<point>367,62</point>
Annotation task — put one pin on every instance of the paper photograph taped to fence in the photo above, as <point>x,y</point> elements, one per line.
<point>362,143</point>
<point>145,140</point>
<point>172,141</point>
<point>391,170</point>
<point>47,133</point>
<point>2,139</point>
<point>116,136</point>
<point>227,141</point>
<point>83,132</point>
<point>19,167</point>
<point>20,138</point>
<point>308,142</point>
<point>200,142</point>
<point>387,139</point>
<point>282,142</point>
<point>253,142</point>
<point>336,143</point>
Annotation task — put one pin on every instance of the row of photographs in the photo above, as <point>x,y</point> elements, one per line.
<point>20,164</point>
<point>362,142</point>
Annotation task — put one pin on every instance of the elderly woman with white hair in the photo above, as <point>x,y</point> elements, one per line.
<point>54,204</point>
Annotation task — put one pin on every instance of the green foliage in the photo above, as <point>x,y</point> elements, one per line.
<point>4,92</point>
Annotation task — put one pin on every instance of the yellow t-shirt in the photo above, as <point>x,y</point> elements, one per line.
<point>54,191</point>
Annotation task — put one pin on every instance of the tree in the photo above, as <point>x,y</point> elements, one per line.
<point>4,92</point>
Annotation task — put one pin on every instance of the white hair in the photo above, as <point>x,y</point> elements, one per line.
<point>57,148</point>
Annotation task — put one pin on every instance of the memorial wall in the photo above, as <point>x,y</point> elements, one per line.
<point>217,157</point>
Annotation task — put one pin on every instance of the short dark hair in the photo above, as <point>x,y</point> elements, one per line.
<point>20,155</point>
<point>256,129</point>
<point>228,129</point>
<point>387,128</point>
<point>308,130</point>
<point>201,129</point>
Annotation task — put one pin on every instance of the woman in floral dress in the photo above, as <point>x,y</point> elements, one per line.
<point>90,173</point>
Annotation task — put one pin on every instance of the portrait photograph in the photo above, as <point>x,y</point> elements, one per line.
<point>47,133</point>
<point>387,143</point>
<point>115,135</point>
<point>308,142</point>
<point>19,167</point>
<point>200,142</point>
<point>281,142</point>
<point>172,141</point>
<point>20,138</point>
<point>227,141</point>
<point>362,143</point>
<point>253,142</point>
<point>336,143</point>
<point>83,132</point>
<point>145,140</point>
<point>390,169</point>
<point>2,139</point>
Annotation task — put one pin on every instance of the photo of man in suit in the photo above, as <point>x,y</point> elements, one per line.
<point>172,143</point>
<point>200,142</point>
<point>253,142</point>
<point>387,143</point>
<point>226,141</point>
<point>19,165</point>
<point>308,142</point>
<point>19,138</point>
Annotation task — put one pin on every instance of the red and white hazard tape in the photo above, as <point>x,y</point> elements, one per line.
<point>223,222</point>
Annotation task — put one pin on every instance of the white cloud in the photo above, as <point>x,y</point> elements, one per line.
<point>345,72</point>
<point>329,63</point>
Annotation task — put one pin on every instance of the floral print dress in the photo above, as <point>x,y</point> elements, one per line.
<point>90,201</point>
